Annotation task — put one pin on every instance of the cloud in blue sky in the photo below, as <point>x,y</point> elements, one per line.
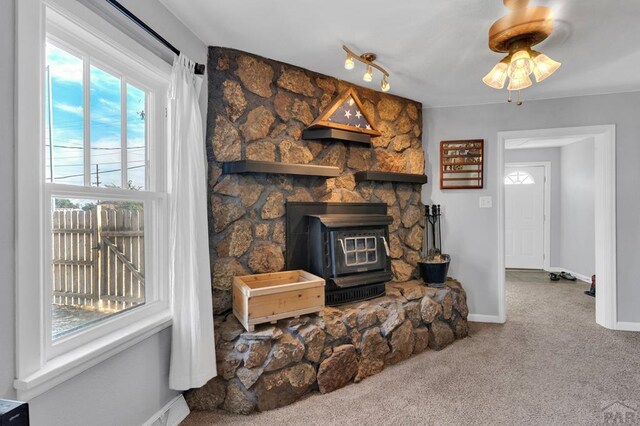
<point>72,109</point>
<point>64,67</point>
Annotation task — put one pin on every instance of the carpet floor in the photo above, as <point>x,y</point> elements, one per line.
<point>550,364</point>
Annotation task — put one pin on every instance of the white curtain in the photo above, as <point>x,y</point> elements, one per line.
<point>193,360</point>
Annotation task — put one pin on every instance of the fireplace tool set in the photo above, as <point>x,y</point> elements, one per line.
<point>434,264</point>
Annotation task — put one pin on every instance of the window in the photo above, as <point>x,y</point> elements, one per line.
<point>97,245</point>
<point>115,143</point>
<point>519,178</point>
<point>92,194</point>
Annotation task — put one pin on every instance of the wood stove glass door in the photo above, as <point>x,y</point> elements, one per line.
<point>358,251</point>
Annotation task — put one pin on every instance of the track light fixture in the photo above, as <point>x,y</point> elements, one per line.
<point>367,59</point>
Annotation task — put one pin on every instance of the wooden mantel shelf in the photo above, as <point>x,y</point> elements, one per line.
<point>269,167</point>
<point>390,177</point>
<point>324,133</point>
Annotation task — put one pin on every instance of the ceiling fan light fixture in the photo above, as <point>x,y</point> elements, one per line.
<point>516,33</point>
<point>544,66</point>
<point>497,76</point>
<point>519,83</point>
<point>521,65</point>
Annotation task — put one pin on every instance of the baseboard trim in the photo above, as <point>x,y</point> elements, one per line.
<point>172,414</point>
<point>484,318</point>
<point>627,326</point>
<point>575,274</point>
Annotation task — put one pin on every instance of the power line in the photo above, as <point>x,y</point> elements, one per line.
<point>100,148</point>
<point>101,163</point>
<point>94,125</point>
<point>100,155</point>
<point>101,172</point>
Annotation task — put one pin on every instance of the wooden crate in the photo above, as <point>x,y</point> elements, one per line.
<point>269,297</point>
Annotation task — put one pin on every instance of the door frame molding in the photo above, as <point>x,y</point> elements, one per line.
<point>546,242</point>
<point>605,213</point>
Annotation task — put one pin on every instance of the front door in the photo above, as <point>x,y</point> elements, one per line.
<point>524,217</point>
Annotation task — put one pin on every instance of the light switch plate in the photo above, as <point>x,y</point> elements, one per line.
<point>486,202</point>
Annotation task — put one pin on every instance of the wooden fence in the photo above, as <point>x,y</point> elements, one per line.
<point>98,257</point>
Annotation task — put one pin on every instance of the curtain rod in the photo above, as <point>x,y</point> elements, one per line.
<point>199,68</point>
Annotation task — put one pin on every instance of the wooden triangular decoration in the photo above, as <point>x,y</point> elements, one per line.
<point>346,113</point>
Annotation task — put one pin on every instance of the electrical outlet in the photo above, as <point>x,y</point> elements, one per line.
<point>486,202</point>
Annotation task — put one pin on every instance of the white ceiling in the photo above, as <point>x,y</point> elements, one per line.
<point>435,50</point>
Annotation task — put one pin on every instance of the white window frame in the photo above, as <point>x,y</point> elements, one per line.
<point>509,181</point>
<point>42,363</point>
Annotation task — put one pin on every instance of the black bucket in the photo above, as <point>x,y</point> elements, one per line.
<point>434,271</point>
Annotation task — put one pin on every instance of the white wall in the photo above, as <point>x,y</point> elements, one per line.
<point>7,259</point>
<point>125,390</point>
<point>129,387</point>
<point>551,155</point>
<point>578,245</point>
<point>470,233</point>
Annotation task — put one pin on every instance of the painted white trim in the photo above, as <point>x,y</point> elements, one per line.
<point>41,364</point>
<point>174,412</point>
<point>502,290</point>
<point>542,143</point>
<point>605,229</point>
<point>485,318</point>
<point>29,212</point>
<point>546,244</point>
<point>66,366</point>
<point>627,326</point>
<point>581,277</point>
<point>119,43</point>
<point>605,212</point>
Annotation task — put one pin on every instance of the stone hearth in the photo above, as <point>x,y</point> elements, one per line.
<point>277,364</point>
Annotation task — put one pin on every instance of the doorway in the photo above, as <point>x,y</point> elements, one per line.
<point>526,215</point>
<point>604,212</point>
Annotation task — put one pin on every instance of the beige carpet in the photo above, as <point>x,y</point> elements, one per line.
<point>550,364</point>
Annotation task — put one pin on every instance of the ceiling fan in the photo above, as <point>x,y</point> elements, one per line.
<point>515,34</point>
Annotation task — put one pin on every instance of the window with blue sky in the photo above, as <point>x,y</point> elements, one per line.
<point>115,116</point>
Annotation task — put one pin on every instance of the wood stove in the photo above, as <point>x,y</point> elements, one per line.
<point>345,243</point>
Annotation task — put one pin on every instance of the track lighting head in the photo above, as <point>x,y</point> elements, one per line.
<point>384,84</point>
<point>348,63</point>
<point>368,75</point>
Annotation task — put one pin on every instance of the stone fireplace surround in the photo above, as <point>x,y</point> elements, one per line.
<point>257,110</point>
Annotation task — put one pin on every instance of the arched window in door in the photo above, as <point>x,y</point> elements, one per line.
<point>519,178</point>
